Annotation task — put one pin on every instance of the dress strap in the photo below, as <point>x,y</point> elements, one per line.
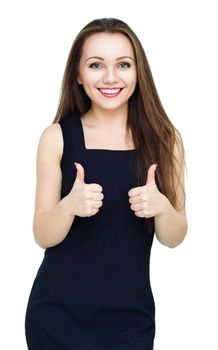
<point>72,136</point>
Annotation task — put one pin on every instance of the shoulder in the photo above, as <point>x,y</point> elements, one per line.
<point>178,149</point>
<point>51,140</point>
<point>178,145</point>
<point>179,172</point>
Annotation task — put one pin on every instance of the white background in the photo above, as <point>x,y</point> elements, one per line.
<point>179,39</point>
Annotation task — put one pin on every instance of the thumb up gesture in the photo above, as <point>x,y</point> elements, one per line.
<point>146,201</point>
<point>84,199</point>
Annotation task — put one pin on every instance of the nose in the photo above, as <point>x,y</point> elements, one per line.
<point>110,76</point>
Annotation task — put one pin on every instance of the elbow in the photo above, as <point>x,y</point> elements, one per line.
<point>36,235</point>
<point>176,242</point>
<point>41,239</point>
<point>39,243</point>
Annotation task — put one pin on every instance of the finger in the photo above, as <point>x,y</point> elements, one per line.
<point>80,175</point>
<point>151,175</point>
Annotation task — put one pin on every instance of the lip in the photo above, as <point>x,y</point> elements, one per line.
<point>110,95</point>
<point>111,88</point>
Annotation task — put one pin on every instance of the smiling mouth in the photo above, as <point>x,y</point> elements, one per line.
<point>110,92</point>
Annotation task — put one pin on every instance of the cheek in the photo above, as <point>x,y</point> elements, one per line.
<point>131,88</point>
<point>130,80</point>
<point>89,82</point>
<point>133,79</point>
<point>87,76</point>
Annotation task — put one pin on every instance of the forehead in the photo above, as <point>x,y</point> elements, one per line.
<point>107,45</point>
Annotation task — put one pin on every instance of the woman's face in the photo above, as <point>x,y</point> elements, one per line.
<point>110,68</point>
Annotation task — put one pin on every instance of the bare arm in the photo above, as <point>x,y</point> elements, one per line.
<point>51,221</point>
<point>171,226</point>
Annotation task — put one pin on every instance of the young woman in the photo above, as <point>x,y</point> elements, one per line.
<point>110,175</point>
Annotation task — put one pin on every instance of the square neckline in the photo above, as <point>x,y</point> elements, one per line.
<point>99,149</point>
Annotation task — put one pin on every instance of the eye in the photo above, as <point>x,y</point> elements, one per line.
<point>97,64</point>
<point>126,63</point>
<point>91,65</point>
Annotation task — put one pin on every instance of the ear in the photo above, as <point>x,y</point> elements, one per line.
<point>79,80</point>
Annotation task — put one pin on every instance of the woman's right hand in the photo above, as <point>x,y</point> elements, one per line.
<point>83,199</point>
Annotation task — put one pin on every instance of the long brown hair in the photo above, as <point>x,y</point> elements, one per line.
<point>153,133</point>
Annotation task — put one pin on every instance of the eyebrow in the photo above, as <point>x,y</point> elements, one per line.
<point>118,58</point>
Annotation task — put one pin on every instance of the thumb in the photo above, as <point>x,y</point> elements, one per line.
<point>151,174</point>
<point>80,172</point>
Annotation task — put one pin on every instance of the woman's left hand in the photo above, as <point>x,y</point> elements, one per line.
<point>147,201</point>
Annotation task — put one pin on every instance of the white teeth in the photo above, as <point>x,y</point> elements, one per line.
<point>109,91</point>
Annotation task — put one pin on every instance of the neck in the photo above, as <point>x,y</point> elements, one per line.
<point>106,119</point>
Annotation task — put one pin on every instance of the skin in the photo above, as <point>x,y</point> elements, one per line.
<point>104,127</point>
<point>110,114</point>
<point>108,117</point>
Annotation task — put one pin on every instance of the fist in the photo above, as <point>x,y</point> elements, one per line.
<point>147,201</point>
<point>84,199</point>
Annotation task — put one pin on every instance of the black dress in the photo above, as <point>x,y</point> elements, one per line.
<point>92,291</point>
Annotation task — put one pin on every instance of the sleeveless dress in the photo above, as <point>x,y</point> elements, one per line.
<point>92,290</point>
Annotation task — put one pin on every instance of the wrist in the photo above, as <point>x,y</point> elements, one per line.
<point>166,206</point>
<point>65,207</point>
